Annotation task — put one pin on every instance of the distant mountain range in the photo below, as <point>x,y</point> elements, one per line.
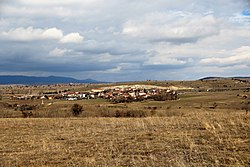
<point>220,78</point>
<point>32,80</point>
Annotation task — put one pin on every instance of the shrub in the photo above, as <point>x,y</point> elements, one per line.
<point>26,107</point>
<point>132,113</point>
<point>123,113</point>
<point>163,96</point>
<point>27,114</point>
<point>76,109</point>
<point>246,106</point>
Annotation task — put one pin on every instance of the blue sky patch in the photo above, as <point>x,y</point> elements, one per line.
<point>246,13</point>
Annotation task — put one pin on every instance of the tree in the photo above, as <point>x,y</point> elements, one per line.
<point>76,109</point>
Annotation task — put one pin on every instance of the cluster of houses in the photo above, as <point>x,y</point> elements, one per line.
<point>127,93</point>
<point>116,94</point>
<point>65,96</point>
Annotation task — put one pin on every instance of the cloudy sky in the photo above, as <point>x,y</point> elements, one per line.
<point>124,40</point>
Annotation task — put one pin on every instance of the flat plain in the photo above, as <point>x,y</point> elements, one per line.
<point>209,126</point>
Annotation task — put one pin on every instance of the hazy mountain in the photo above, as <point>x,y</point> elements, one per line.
<point>211,78</point>
<point>220,78</point>
<point>18,79</point>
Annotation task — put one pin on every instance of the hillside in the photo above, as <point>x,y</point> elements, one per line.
<point>221,78</point>
<point>30,80</point>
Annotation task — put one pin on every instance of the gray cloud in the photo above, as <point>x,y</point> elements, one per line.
<point>22,64</point>
<point>125,40</point>
<point>173,27</point>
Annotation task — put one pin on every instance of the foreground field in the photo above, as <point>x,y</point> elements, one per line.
<point>206,126</point>
<point>198,138</point>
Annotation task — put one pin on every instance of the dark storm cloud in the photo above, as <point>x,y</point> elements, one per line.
<point>21,64</point>
<point>19,57</point>
<point>50,67</point>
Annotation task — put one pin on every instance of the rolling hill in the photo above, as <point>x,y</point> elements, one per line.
<point>221,78</point>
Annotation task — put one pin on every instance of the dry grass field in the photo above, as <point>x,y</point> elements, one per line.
<point>200,129</point>
<point>199,138</point>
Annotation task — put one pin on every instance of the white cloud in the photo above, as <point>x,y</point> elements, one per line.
<point>34,12</point>
<point>58,52</point>
<point>238,18</point>
<point>173,27</point>
<point>106,57</point>
<point>113,70</point>
<point>49,2</point>
<point>72,38</point>
<point>30,34</point>
<point>4,22</point>
<point>163,60</point>
<point>52,33</point>
<point>55,2</point>
<point>240,56</point>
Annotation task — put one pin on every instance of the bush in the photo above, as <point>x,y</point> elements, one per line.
<point>126,113</point>
<point>76,109</point>
<point>27,114</point>
<point>163,96</point>
<point>26,107</point>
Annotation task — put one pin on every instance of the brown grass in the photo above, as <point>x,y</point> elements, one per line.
<point>199,139</point>
<point>199,129</point>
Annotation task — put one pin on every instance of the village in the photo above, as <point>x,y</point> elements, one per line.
<point>115,94</point>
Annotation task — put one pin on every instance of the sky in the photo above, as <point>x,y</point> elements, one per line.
<point>125,40</point>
